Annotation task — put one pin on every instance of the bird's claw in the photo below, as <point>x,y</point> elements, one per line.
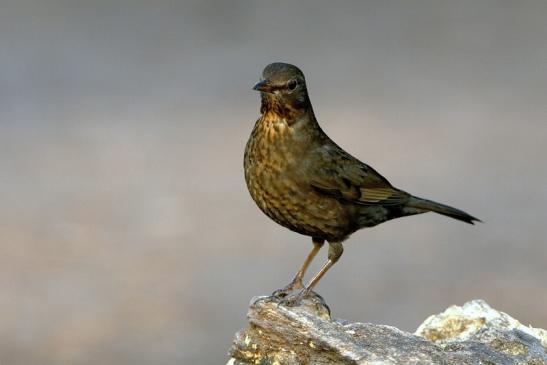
<point>284,292</point>
<point>295,299</point>
<point>280,293</point>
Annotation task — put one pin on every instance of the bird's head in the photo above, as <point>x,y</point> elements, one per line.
<point>283,90</point>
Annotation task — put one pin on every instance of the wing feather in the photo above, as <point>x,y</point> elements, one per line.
<point>349,179</point>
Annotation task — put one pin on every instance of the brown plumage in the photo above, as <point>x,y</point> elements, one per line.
<point>304,181</point>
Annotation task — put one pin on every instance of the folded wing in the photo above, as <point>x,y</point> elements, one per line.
<point>346,178</point>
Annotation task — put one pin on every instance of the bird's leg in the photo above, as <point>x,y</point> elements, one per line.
<point>296,282</point>
<point>335,251</point>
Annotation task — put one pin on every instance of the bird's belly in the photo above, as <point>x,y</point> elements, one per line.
<point>296,205</point>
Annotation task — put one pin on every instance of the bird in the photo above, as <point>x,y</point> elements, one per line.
<point>300,178</point>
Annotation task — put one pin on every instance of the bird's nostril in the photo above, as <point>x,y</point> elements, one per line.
<point>263,86</point>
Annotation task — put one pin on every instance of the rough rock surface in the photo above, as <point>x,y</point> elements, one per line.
<point>471,334</point>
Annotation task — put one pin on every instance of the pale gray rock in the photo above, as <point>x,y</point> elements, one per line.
<point>471,334</point>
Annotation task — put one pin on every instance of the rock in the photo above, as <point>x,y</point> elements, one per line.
<point>472,334</point>
<point>477,322</point>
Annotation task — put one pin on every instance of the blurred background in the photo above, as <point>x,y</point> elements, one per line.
<point>127,233</point>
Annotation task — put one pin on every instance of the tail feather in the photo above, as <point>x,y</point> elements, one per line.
<point>431,206</point>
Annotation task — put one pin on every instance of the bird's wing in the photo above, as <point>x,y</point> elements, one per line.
<point>344,177</point>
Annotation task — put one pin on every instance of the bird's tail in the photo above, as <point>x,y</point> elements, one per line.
<point>431,206</point>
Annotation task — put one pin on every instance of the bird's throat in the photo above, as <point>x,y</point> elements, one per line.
<point>273,109</point>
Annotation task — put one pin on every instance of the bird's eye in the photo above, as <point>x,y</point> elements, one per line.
<point>292,85</point>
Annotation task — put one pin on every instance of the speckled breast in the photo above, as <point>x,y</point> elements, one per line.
<point>277,183</point>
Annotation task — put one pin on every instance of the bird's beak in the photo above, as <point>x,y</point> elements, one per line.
<point>263,86</point>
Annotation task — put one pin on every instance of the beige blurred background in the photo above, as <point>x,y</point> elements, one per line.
<point>127,233</point>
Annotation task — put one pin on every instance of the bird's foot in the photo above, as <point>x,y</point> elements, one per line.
<point>308,299</point>
<point>284,292</point>
<point>296,299</point>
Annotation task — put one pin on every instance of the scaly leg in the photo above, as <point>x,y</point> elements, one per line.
<point>296,283</point>
<point>335,251</point>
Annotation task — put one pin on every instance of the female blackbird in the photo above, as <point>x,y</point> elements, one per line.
<point>304,181</point>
